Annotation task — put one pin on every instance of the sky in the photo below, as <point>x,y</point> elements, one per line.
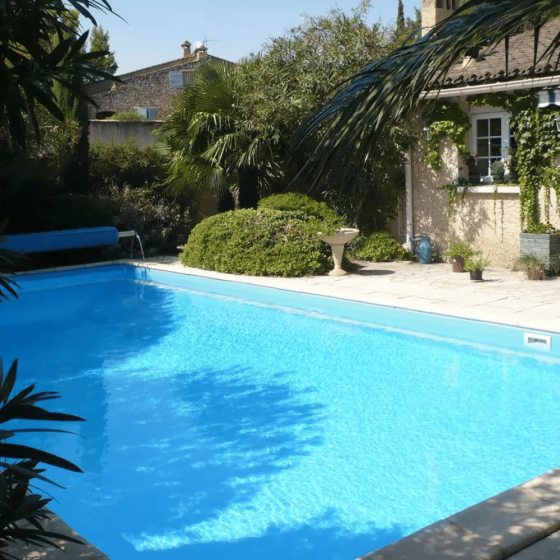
<point>154,31</point>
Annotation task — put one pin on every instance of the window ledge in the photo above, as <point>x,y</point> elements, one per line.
<point>501,189</point>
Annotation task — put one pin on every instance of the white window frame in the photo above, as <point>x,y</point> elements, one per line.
<point>479,113</point>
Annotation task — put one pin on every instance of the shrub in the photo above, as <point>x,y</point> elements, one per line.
<point>460,249</point>
<point>476,262</point>
<point>127,116</point>
<point>261,242</point>
<point>128,164</point>
<point>161,221</point>
<point>379,246</point>
<point>295,202</point>
<point>73,212</point>
<point>534,266</point>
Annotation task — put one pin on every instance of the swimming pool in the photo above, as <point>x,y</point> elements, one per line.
<point>226,420</point>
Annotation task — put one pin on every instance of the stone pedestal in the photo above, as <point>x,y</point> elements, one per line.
<point>337,242</point>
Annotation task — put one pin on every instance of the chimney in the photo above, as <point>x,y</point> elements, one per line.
<point>434,11</point>
<point>186,49</point>
<point>201,52</point>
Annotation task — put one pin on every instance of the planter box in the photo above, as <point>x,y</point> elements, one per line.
<point>544,245</point>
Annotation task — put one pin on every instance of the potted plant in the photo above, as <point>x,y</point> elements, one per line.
<point>535,266</point>
<point>470,161</point>
<point>458,252</point>
<point>475,265</point>
<point>497,171</point>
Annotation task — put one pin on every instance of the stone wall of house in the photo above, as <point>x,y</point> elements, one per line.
<point>146,90</point>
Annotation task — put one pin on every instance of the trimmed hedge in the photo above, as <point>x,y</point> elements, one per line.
<point>295,202</point>
<point>261,242</point>
<point>379,246</point>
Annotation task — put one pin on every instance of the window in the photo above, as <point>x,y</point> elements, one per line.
<point>491,137</point>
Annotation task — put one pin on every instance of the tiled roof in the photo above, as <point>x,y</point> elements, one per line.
<point>490,65</point>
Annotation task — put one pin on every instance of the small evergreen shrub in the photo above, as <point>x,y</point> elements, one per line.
<point>261,242</point>
<point>127,116</point>
<point>72,211</point>
<point>379,246</point>
<point>120,164</point>
<point>460,249</point>
<point>161,221</point>
<point>295,202</point>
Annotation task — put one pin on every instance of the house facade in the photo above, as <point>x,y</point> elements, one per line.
<point>484,210</point>
<point>148,91</point>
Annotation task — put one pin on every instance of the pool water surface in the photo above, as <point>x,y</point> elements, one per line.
<point>228,423</point>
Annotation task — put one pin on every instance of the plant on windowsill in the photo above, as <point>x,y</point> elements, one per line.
<point>475,265</point>
<point>458,253</point>
<point>497,171</point>
<point>470,161</point>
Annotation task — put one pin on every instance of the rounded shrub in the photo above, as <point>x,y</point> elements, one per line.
<point>295,202</point>
<point>261,242</point>
<point>379,246</point>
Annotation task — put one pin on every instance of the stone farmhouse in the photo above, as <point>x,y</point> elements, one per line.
<point>488,215</point>
<point>148,91</point>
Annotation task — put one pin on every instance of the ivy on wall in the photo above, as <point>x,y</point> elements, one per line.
<point>446,120</point>
<point>538,144</point>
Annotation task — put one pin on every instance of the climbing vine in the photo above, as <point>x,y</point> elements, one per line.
<point>446,120</point>
<point>533,159</point>
<point>538,143</point>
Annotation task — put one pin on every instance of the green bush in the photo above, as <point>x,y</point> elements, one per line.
<point>460,249</point>
<point>127,116</point>
<point>261,242</point>
<point>161,221</point>
<point>379,246</point>
<point>128,164</point>
<point>73,212</point>
<point>295,202</point>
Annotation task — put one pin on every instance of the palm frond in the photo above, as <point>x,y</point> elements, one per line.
<point>383,95</point>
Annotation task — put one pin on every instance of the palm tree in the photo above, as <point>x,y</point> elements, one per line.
<point>213,145</point>
<point>362,113</point>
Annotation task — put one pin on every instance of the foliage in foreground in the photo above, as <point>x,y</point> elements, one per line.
<point>259,242</point>
<point>379,246</point>
<point>295,202</point>
<point>22,509</point>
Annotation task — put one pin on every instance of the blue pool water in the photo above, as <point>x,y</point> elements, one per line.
<point>228,421</point>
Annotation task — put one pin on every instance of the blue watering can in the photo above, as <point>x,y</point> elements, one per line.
<point>423,247</point>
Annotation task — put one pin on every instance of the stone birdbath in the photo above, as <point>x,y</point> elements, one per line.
<point>337,242</point>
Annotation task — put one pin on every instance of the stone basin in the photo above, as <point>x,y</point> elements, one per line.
<point>337,242</point>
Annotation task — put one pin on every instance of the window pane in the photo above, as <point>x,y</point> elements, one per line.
<point>495,127</point>
<point>482,164</point>
<point>482,127</point>
<point>482,148</point>
<point>496,147</point>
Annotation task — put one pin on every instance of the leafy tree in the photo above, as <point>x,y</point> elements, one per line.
<point>295,75</point>
<point>99,42</point>
<point>30,64</point>
<point>385,94</point>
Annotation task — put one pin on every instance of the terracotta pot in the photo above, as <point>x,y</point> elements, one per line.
<point>458,263</point>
